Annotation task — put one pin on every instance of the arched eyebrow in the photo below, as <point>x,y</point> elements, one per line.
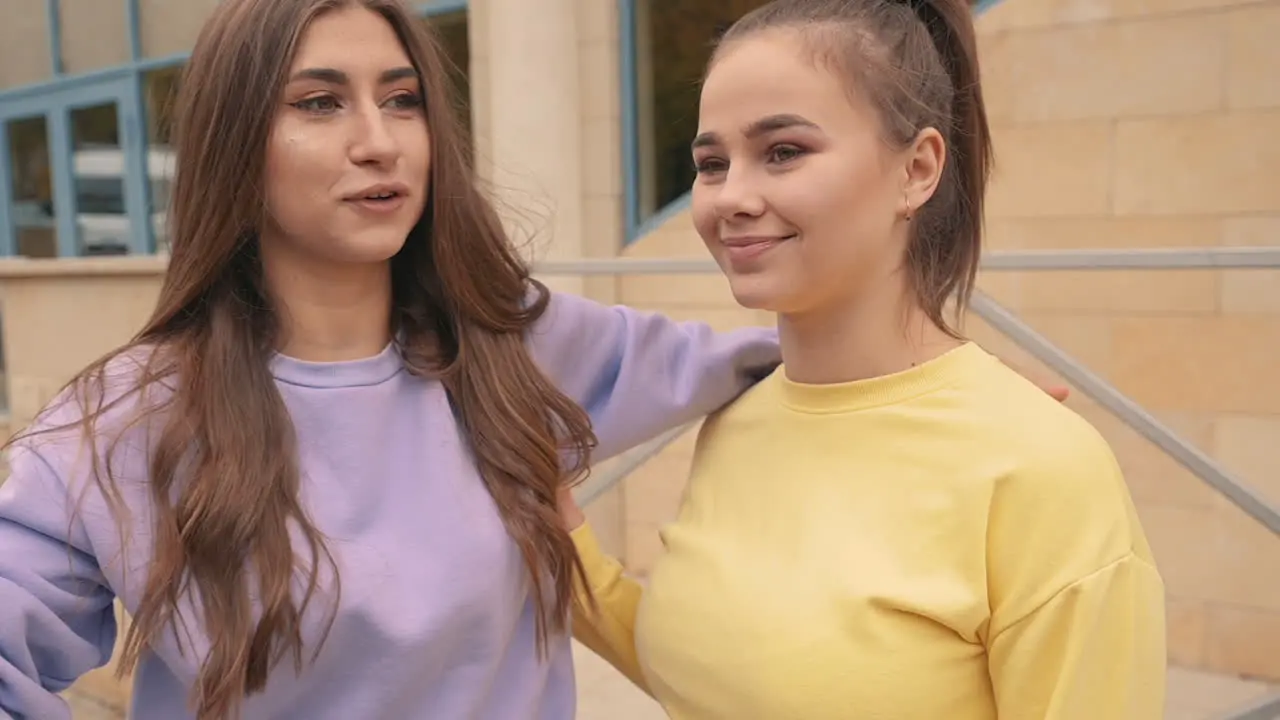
<point>763,126</point>
<point>338,77</point>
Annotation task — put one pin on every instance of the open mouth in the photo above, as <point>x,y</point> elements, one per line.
<point>379,199</point>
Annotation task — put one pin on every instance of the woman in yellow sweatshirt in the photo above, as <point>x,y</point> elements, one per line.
<point>894,525</point>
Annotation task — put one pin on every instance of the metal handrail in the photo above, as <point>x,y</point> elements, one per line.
<point>1153,259</point>
<point>627,463</point>
<point>1266,707</point>
<point>1131,413</point>
<point>1006,322</point>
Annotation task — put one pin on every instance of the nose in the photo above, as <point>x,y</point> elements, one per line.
<point>739,195</point>
<point>373,142</point>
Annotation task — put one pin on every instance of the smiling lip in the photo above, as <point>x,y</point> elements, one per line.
<point>382,198</point>
<point>743,251</point>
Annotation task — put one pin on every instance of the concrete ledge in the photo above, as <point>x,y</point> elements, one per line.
<point>118,266</point>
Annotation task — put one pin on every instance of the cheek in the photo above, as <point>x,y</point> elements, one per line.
<point>852,203</point>
<point>294,164</point>
<point>301,170</point>
<point>705,220</point>
<point>415,149</point>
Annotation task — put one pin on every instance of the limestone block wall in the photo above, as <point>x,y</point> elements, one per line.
<point>1152,124</point>
<point>1118,124</point>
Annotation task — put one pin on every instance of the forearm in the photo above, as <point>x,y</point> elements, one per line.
<point>604,618</point>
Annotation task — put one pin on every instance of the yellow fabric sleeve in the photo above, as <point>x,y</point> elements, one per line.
<point>1060,662</point>
<point>609,631</point>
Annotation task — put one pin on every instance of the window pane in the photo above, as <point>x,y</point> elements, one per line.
<point>161,91</point>
<point>32,205</point>
<point>98,177</point>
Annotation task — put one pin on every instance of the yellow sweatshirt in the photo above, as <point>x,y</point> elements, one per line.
<point>946,543</point>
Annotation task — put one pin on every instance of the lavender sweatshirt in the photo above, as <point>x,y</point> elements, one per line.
<point>435,621</point>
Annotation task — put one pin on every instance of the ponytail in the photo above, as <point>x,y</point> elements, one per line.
<point>969,153</point>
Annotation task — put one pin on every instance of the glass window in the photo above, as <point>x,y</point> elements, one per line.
<point>451,27</point>
<point>100,195</point>
<point>35,229</point>
<point>160,90</point>
<point>98,172</point>
<point>673,40</point>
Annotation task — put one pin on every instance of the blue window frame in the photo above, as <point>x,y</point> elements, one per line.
<point>124,190</point>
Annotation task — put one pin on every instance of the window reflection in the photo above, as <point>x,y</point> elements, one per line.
<point>34,227</point>
<point>98,176</point>
<point>161,92</point>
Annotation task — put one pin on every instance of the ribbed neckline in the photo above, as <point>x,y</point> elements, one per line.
<point>346,373</point>
<point>927,377</point>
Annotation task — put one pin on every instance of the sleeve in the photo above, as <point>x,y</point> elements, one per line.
<point>1095,651</point>
<point>56,616</point>
<point>641,374</point>
<point>1077,626</point>
<point>609,630</point>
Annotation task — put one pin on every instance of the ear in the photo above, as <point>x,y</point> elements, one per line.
<point>923,162</point>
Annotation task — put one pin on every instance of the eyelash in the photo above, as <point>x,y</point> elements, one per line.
<point>794,152</point>
<point>308,105</point>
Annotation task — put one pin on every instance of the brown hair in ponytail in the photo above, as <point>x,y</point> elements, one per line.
<point>917,62</point>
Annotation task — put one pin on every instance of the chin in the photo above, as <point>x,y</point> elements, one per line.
<point>372,246</point>
<point>757,293</point>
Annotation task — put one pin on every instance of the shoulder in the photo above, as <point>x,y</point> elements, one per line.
<point>1055,456</point>
<point>1060,509</point>
<point>106,410</point>
<point>82,465</point>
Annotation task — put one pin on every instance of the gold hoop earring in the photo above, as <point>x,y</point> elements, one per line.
<point>907,215</point>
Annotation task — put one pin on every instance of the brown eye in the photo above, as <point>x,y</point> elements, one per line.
<point>709,165</point>
<point>319,104</point>
<point>407,101</point>
<point>784,153</point>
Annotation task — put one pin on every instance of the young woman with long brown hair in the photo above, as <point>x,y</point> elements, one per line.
<point>893,524</point>
<point>337,442</point>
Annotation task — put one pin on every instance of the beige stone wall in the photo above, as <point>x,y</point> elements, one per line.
<point>169,27</point>
<point>94,35</point>
<point>1119,123</point>
<point>1153,125</point>
<point>24,43</point>
<point>61,315</point>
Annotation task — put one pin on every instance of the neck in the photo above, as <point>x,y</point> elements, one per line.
<point>330,312</point>
<point>859,340</point>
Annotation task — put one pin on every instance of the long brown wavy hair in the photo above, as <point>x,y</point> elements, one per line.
<point>223,472</point>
